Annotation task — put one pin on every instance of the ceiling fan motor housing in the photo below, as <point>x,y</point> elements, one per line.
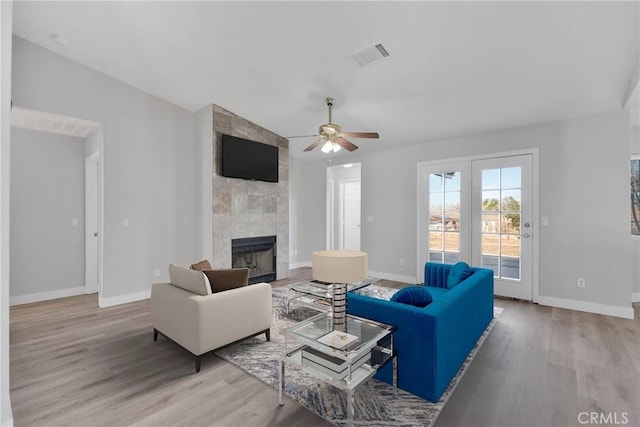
<point>329,130</point>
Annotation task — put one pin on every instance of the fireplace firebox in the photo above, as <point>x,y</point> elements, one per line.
<point>258,254</point>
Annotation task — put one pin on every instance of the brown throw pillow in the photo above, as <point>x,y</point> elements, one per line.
<point>202,265</point>
<point>225,279</point>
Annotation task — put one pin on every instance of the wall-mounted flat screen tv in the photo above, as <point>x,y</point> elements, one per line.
<point>246,159</point>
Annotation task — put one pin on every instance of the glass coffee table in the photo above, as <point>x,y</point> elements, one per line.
<point>318,295</point>
<point>345,356</point>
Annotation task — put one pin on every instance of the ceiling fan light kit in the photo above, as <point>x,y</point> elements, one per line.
<point>332,137</point>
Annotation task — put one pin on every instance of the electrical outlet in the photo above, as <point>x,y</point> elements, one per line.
<point>156,273</point>
<point>582,283</point>
<point>402,261</point>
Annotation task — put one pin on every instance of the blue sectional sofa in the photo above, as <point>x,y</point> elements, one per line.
<point>432,342</point>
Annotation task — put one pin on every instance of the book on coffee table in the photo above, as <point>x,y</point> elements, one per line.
<point>338,339</point>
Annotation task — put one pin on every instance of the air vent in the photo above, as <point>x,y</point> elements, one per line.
<point>370,55</point>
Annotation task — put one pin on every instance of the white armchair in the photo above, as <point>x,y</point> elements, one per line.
<point>186,312</point>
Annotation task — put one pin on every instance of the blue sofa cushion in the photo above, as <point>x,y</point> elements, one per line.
<point>414,295</point>
<point>459,272</point>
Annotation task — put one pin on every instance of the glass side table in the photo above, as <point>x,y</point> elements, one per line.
<point>345,357</point>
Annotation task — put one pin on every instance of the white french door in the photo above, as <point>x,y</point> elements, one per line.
<point>480,212</point>
<point>502,212</point>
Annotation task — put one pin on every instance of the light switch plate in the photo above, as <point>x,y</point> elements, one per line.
<point>544,220</point>
<point>75,222</point>
<point>125,222</point>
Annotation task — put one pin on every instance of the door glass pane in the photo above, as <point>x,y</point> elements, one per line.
<point>509,267</point>
<point>452,242</point>
<point>451,257</point>
<point>511,200</point>
<point>452,182</point>
<point>444,217</point>
<point>435,202</point>
<point>510,223</point>
<point>510,178</point>
<point>510,245</point>
<point>435,241</point>
<point>490,179</point>
<point>501,206</point>
<point>490,244</point>
<point>435,221</point>
<point>435,257</point>
<point>490,222</point>
<point>490,200</point>
<point>452,221</point>
<point>490,262</point>
<point>435,183</point>
<point>452,201</point>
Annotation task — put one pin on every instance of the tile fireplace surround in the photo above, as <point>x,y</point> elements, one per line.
<point>244,208</point>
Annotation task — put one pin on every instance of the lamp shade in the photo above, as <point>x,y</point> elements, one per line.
<point>340,266</point>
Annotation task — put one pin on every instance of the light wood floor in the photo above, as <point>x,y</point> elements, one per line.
<point>73,364</point>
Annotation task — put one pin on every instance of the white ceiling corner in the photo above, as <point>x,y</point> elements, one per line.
<point>456,67</point>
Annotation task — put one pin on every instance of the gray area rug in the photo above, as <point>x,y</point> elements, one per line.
<point>375,402</point>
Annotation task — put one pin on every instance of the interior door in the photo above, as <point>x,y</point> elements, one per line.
<point>502,217</point>
<point>350,215</point>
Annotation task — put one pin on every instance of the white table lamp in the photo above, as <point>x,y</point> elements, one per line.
<point>339,267</point>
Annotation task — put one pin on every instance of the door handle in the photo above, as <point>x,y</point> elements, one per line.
<point>526,235</point>
<point>95,234</point>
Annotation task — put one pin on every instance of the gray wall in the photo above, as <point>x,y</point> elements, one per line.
<point>203,134</point>
<point>148,164</point>
<point>6,19</point>
<point>583,182</point>
<point>47,192</point>
<point>635,254</point>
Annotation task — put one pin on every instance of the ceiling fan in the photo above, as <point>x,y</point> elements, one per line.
<point>332,136</point>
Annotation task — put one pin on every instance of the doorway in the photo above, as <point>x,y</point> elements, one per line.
<point>344,206</point>
<point>93,135</point>
<point>481,211</point>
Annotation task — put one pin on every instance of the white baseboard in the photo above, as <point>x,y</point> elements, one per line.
<point>635,297</point>
<point>394,277</point>
<point>299,264</point>
<point>589,307</point>
<point>123,299</point>
<point>45,296</point>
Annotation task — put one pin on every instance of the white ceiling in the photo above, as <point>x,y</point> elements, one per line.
<point>455,67</point>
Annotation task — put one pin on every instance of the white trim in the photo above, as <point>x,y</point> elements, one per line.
<point>123,299</point>
<point>45,296</point>
<point>299,264</point>
<point>589,307</point>
<point>394,277</point>
<point>635,297</point>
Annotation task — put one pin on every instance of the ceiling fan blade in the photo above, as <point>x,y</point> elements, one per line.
<point>347,145</point>
<point>315,144</point>
<point>300,136</point>
<point>361,134</point>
